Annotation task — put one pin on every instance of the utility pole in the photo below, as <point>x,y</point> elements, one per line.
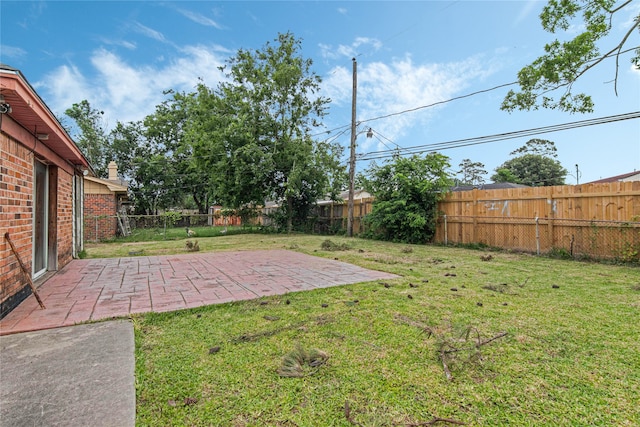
<point>577,175</point>
<point>352,157</point>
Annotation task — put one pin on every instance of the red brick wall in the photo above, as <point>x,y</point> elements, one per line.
<point>16,203</point>
<point>100,222</point>
<point>16,217</point>
<point>65,218</point>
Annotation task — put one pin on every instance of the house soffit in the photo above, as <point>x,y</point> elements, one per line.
<point>31,113</point>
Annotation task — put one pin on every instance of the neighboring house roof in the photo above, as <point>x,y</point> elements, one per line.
<point>113,186</point>
<point>357,195</point>
<point>492,186</point>
<point>32,115</point>
<point>630,176</point>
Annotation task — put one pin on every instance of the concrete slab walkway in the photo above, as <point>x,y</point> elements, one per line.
<point>97,289</point>
<point>79,376</point>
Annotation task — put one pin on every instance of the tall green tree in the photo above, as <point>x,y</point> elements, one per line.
<point>534,165</point>
<point>254,132</point>
<point>547,81</point>
<point>542,147</point>
<point>407,191</point>
<point>472,172</point>
<point>125,145</point>
<point>140,164</point>
<point>180,179</point>
<point>90,135</point>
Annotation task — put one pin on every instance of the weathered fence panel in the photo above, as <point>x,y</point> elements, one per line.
<point>600,220</point>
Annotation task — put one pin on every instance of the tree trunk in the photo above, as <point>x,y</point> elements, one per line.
<point>200,203</point>
<point>289,214</point>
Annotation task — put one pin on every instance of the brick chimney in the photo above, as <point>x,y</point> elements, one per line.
<point>113,171</point>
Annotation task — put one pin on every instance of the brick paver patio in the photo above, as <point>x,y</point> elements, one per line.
<point>98,289</point>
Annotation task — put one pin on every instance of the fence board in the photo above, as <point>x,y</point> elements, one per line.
<point>617,201</point>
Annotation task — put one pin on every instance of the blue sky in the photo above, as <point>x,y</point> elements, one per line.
<point>122,55</point>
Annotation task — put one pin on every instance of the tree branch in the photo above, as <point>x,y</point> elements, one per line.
<point>478,344</point>
<point>500,335</point>
<point>347,414</point>
<point>619,7</point>
<point>618,48</point>
<point>436,420</point>
<point>424,328</point>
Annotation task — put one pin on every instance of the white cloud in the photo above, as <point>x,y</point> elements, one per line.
<point>12,51</point>
<point>126,92</point>
<point>342,11</point>
<point>526,10</point>
<point>352,50</point>
<point>337,85</point>
<point>64,86</point>
<point>401,85</point>
<point>36,10</point>
<point>632,10</point>
<point>200,19</point>
<point>149,32</point>
<point>122,43</point>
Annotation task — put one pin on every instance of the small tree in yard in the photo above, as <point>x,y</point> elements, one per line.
<point>407,191</point>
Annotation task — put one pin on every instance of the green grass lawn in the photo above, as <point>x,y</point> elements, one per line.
<point>159,234</point>
<point>570,356</point>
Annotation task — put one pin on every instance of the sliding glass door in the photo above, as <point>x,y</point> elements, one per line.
<point>40,219</point>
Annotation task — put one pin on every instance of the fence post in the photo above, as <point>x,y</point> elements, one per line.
<point>552,216</point>
<point>474,231</point>
<point>537,236</point>
<point>446,236</point>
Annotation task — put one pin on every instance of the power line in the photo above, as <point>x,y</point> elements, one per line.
<point>411,110</point>
<point>373,155</point>
<point>438,103</point>
<point>499,137</point>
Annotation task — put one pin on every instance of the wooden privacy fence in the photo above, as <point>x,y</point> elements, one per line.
<point>600,220</point>
<point>332,216</point>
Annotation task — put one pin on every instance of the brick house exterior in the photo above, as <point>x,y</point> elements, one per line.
<point>103,199</point>
<point>41,171</point>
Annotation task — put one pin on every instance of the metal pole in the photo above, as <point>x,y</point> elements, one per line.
<point>446,238</point>
<point>537,236</point>
<point>352,157</point>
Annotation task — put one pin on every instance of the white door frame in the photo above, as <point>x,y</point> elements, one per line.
<point>40,242</point>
